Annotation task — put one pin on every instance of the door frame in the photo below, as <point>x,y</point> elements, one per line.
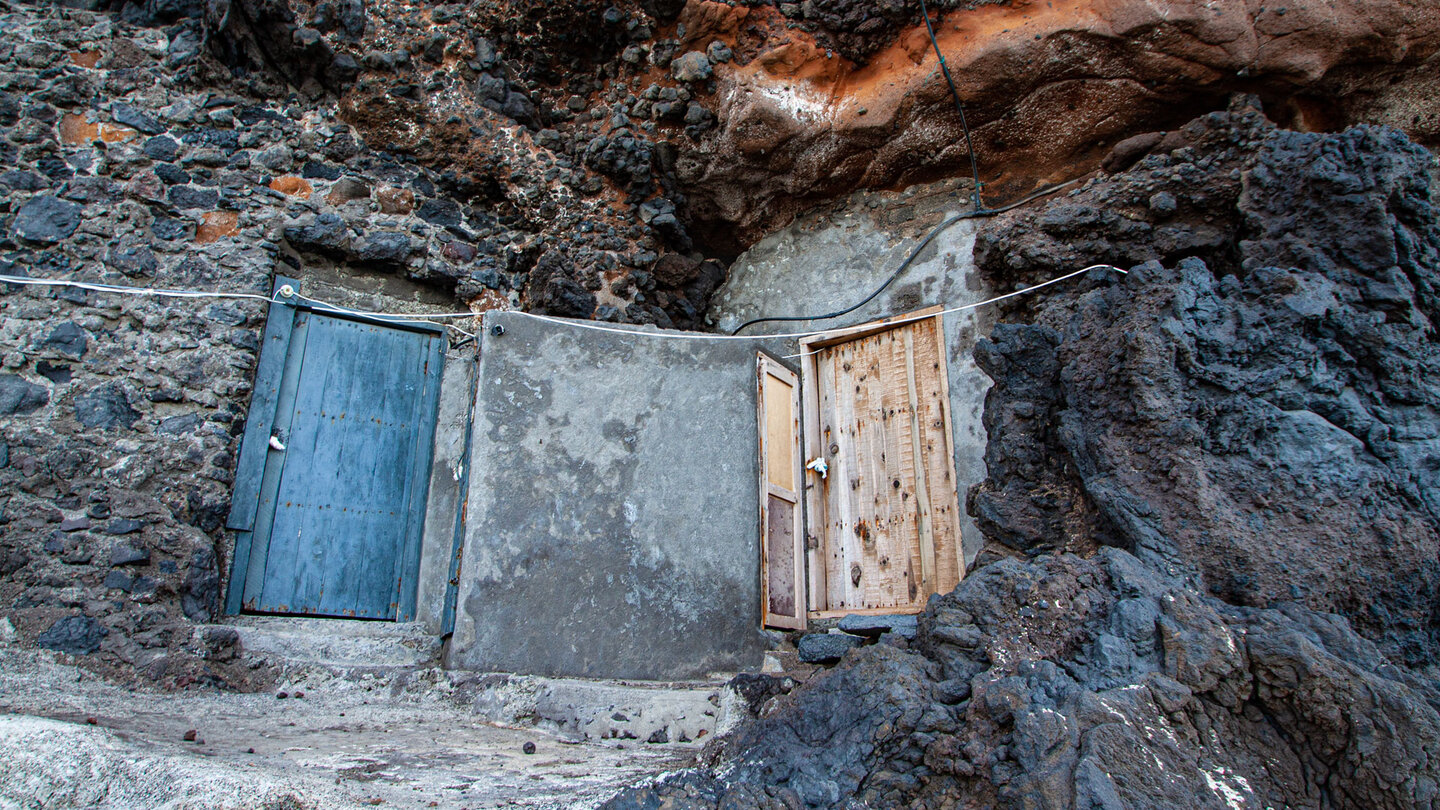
<point>815,506</point>
<point>260,422</point>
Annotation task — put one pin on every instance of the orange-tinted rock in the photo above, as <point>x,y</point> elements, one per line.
<point>488,300</point>
<point>84,59</point>
<point>395,200</point>
<point>292,185</point>
<point>1048,87</point>
<point>76,131</point>
<point>217,225</point>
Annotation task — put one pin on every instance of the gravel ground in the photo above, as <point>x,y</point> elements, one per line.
<point>72,740</point>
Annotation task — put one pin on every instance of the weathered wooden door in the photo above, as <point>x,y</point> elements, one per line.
<point>884,516</point>
<point>334,527</point>
<point>782,579</point>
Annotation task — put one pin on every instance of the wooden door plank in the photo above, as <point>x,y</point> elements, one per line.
<point>942,482</point>
<point>920,470</point>
<point>432,368</point>
<point>275,464</point>
<point>903,544</point>
<point>260,418</point>
<point>815,507</point>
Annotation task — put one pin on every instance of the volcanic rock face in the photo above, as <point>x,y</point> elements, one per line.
<point>1100,683</point>
<point>1267,416</point>
<point>1241,435</point>
<point>569,118</point>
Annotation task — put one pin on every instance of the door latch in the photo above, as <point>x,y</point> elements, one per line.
<point>818,465</point>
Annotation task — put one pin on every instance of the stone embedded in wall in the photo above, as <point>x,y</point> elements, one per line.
<point>47,219</point>
<point>19,396</point>
<point>217,225</point>
<point>76,635</point>
<point>292,185</point>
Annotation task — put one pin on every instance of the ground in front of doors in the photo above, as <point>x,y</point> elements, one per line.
<point>72,740</point>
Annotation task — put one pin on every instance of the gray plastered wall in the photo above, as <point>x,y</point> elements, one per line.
<point>613,513</point>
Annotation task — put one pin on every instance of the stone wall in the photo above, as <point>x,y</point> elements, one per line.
<point>120,416</point>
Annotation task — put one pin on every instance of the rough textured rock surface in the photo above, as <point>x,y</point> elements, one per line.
<point>1241,435</point>
<point>1265,413</point>
<point>1064,682</point>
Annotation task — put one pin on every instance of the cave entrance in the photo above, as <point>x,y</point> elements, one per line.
<point>881,495</point>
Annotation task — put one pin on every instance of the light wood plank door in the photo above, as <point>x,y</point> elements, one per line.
<point>884,517</point>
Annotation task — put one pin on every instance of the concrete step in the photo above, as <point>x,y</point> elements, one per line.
<point>337,642</point>
<point>400,662</point>
<point>618,712</point>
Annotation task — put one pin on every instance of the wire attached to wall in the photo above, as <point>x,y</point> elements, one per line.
<point>904,265</point>
<point>435,318</point>
<point>284,296</point>
<point>979,210</point>
<point>960,108</point>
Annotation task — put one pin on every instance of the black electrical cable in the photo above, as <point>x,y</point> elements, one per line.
<point>980,209</point>
<point>960,108</point>
<point>910,258</point>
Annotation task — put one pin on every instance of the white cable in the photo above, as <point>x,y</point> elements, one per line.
<point>285,293</point>
<point>435,318</point>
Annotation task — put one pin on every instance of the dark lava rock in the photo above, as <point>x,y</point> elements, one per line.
<point>823,648</point>
<point>135,119</point>
<point>188,197</point>
<point>1212,702</point>
<point>76,635</point>
<point>901,625</point>
<point>161,148</point>
<point>326,233</point>
<point>106,408</point>
<point>200,594</point>
<point>386,248</point>
<point>1268,428</point>
<point>47,219</point>
<point>553,290</point>
<point>120,526</point>
<point>20,396</point>
<point>169,228</point>
<point>126,554</point>
<point>67,339</point>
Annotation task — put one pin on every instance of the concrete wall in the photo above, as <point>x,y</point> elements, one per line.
<point>447,480</point>
<point>828,260</point>
<point>613,518</point>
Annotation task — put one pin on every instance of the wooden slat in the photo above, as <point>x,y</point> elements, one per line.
<point>260,418</point>
<point>275,463</point>
<point>814,483</point>
<point>933,379</point>
<point>431,359</point>
<point>918,469</point>
<point>779,430</point>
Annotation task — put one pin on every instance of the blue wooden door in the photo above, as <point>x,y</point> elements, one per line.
<point>336,530</point>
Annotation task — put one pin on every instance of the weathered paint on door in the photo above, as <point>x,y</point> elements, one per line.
<point>337,525</point>
<point>884,518</point>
